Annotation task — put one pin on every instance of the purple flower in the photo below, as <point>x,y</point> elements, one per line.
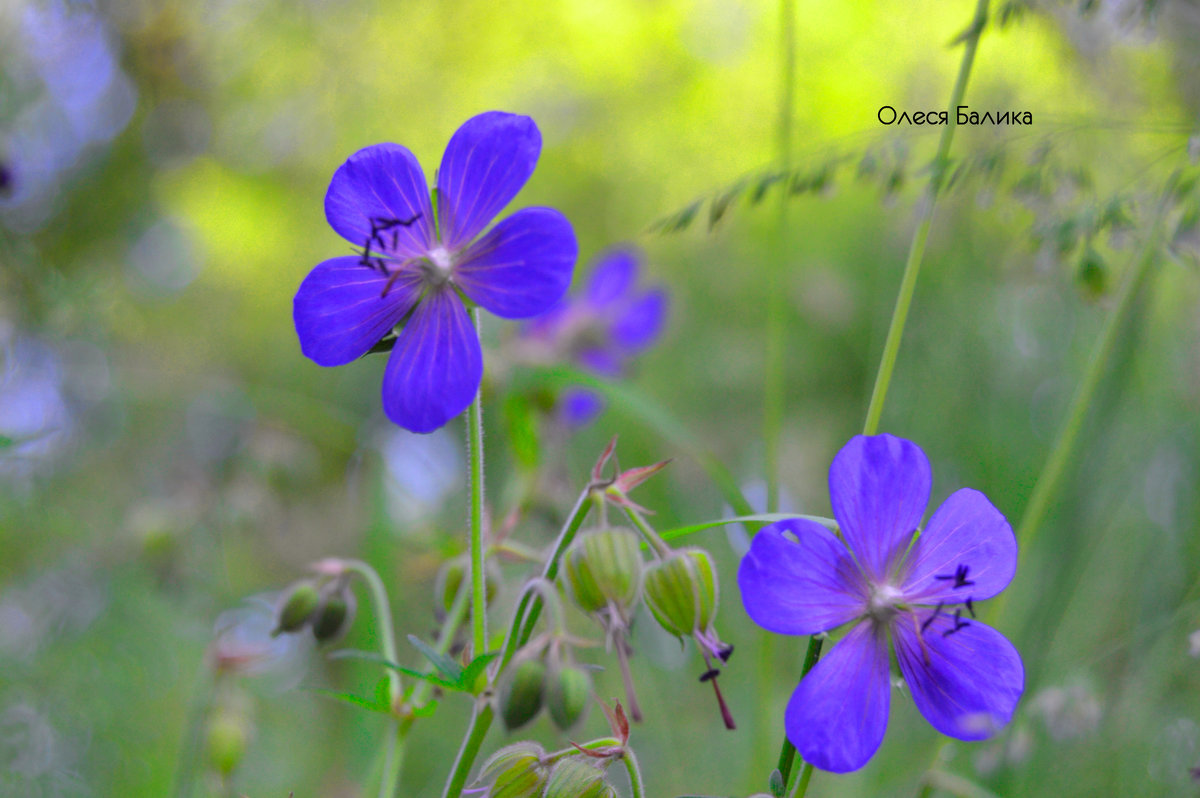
<point>418,272</point>
<point>602,329</point>
<point>893,582</point>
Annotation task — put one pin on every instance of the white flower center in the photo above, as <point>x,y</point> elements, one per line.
<point>883,603</point>
<point>438,265</point>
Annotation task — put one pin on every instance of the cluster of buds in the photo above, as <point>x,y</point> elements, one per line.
<point>526,770</point>
<point>544,674</point>
<point>324,606</point>
<point>605,575</point>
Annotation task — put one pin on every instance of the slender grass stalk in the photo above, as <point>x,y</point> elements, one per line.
<point>475,459</point>
<point>908,284</point>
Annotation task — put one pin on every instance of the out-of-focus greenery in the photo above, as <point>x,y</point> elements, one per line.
<point>177,454</point>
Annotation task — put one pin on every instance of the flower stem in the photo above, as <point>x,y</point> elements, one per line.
<point>908,284</point>
<point>661,549</point>
<point>528,610</point>
<point>475,458</point>
<point>636,787</point>
<point>916,251</point>
<point>383,615</point>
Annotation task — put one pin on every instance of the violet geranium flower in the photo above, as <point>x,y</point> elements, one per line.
<point>417,272</point>
<point>893,582</point>
<point>601,329</point>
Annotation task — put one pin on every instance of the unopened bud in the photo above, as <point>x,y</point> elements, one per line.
<point>335,614</point>
<point>227,736</point>
<point>515,771</point>
<point>681,591</point>
<point>521,693</point>
<point>574,778</point>
<point>297,607</point>
<point>450,578</point>
<point>567,694</point>
<point>604,566</point>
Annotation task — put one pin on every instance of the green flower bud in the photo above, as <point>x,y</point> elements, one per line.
<point>604,566</point>
<point>521,693</point>
<point>574,778</point>
<point>226,739</point>
<point>335,614</point>
<point>297,607</point>
<point>681,591</point>
<point>450,578</point>
<point>567,695</point>
<point>515,771</point>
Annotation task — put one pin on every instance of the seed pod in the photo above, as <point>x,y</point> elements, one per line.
<point>297,607</point>
<point>450,578</point>
<point>567,693</point>
<point>336,613</point>
<point>515,771</point>
<point>575,778</point>
<point>681,591</point>
<point>604,566</point>
<point>522,691</point>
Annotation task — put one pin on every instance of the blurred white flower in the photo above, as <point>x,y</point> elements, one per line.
<point>421,472</point>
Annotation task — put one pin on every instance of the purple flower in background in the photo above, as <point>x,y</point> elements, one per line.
<point>601,330</point>
<point>919,593</point>
<point>418,272</point>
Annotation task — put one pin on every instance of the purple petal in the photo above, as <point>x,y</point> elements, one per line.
<point>486,163</point>
<point>967,531</point>
<point>522,267</point>
<point>435,369</point>
<point>342,309</point>
<point>879,487</point>
<point>800,588</point>
<point>381,184</point>
<point>838,714</point>
<point>612,277</point>
<point>966,683</point>
<point>580,406</point>
<point>603,361</point>
<point>642,322</point>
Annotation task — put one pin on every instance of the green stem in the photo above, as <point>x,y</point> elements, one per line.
<point>475,457</point>
<point>383,614</point>
<point>660,548</point>
<point>635,774</point>
<point>481,721</point>
<point>393,758</point>
<point>912,267</point>
<point>787,753</point>
<point>773,388</point>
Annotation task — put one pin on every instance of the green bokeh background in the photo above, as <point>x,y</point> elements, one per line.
<point>125,548</point>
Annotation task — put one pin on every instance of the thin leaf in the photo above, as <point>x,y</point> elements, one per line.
<point>370,656</point>
<point>448,667</point>
<point>350,698</point>
<point>473,669</point>
<point>760,518</point>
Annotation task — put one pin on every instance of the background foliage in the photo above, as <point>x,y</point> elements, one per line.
<point>168,451</point>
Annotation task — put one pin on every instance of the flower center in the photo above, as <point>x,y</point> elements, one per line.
<point>437,266</point>
<point>883,603</point>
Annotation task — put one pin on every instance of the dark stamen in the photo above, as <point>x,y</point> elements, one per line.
<point>971,606</point>
<point>936,611</point>
<point>959,576</point>
<point>709,674</point>
<point>725,653</point>
<point>959,623</point>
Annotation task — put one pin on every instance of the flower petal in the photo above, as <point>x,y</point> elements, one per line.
<point>435,369</point>
<point>383,184</point>
<point>879,487</point>
<point>967,531</point>
<point>612,277</point>
<point>800,588</point>
<point>342,309</point>
<point>605,361</point>
<point>837,716</point>
<point>641,322</point>
<point>486,163</point>
<point>522,267</point>
<point>966,683</point>
<point>580,406</point>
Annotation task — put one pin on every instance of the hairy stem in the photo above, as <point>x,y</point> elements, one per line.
<point>475,457</point>
<point>481,721</point>
<point>637,788</point>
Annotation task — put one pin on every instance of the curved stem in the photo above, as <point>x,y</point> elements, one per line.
<point>652,538</point>
<point>636,786</point>
<point>916,251</point>
<point>475,458</point>
<point>383,614</point>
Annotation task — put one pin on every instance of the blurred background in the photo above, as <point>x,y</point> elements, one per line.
<point>169,461</point>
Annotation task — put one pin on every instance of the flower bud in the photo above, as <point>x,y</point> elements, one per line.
<point>297,607</point>
<point>226,739</point>
<point>450,578</point>
<point>604,566</point>
<point>521,693</point>
<point>681,591</point>
<point>574,778</point>
<point>567,694</point>
<point>515,771</point>
<point>336,613</point>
